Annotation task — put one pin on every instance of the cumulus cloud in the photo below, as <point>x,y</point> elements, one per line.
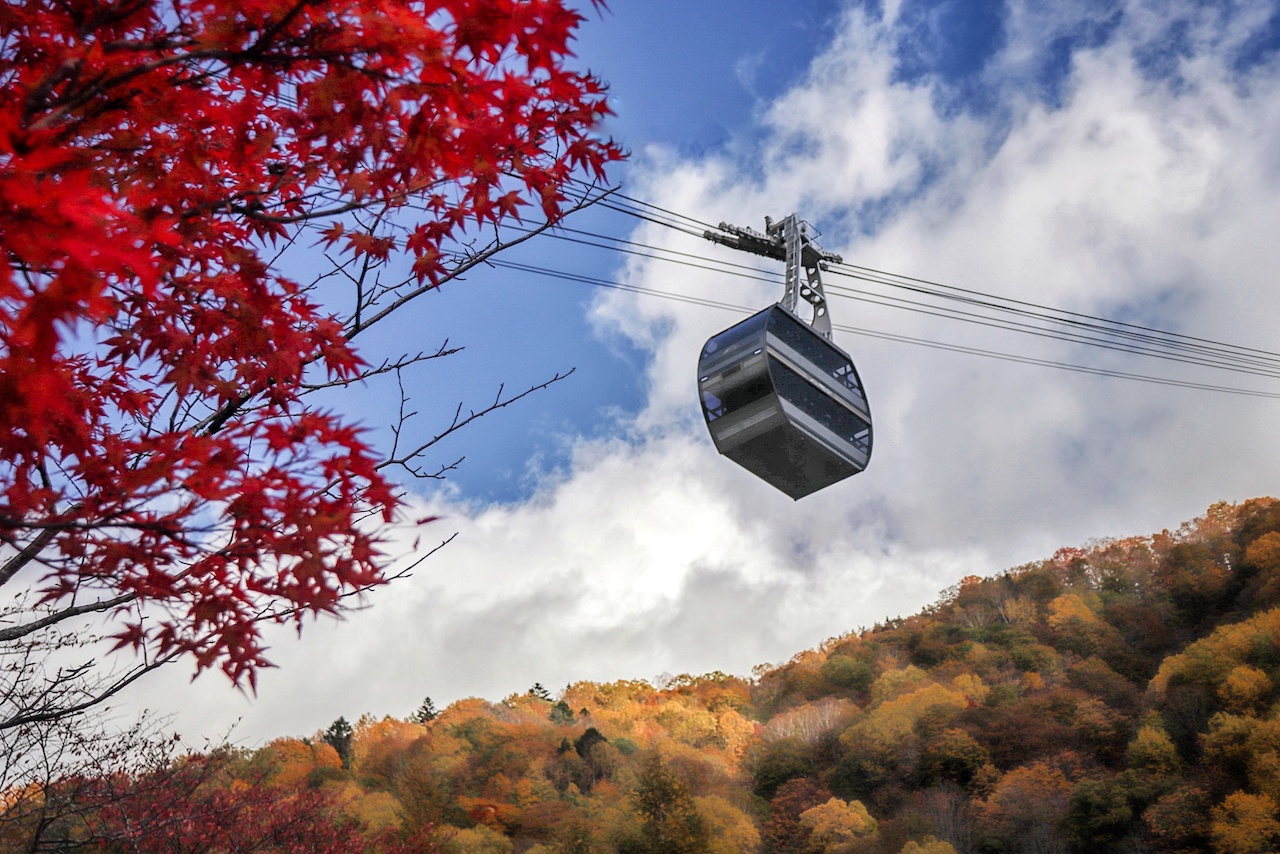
<point>643,559</point>
<point>1129,185</point>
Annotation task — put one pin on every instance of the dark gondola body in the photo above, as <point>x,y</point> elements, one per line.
<point>785,403</point>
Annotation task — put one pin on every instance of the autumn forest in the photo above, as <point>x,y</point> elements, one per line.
<point>1120,697</point>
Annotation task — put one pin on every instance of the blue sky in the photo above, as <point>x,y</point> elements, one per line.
<point>1112,158</point>
<point>691,75</point>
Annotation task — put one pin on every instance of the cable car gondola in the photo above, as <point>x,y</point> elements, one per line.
<point>779,397</point>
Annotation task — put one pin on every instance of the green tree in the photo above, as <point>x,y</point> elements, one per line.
<point>561,713</point>
<point>1098,816</point>
<point>425,713</point>
<point>953,755</point>
<point>575,837</point>
<point>338,736</point>
<point>847,672</point>
<point>780,761</point>
<point>589,739</point>
<point>1152,751</point>
<point>670,820</point>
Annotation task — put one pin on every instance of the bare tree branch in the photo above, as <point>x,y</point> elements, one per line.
<point>16,632</point>
<point>459,421</point>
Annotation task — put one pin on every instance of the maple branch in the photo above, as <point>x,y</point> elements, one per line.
<point>280,219</point>
<point>459,422</point>
<point>471,262</point>
<point>28,553</point>
<point>264,40</point>
<point>30,695</point>
<point>214,422</point>
<point>386,367</point>
<point>46,712</point>
<point>272,614</point>
<point>16,632</point>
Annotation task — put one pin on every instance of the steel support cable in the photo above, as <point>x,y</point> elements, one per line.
<point>906,339</point>
<point>1242,359</point>
<point>1048,363</point>
<point>1226,356</point>
<point>1268,354</point>
<point>617,193</point>
<point>652,248</point>
<point>1239,359</point>
<point>1057,335</point>
<point>658,212</point>
<point>706,265</point>
<point>1122,329</point>
<point>1071,336</point>
<point>648,218</point>
<point>1157,337</point>
<point>617,286</point>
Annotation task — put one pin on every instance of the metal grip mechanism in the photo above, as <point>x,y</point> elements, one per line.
<point>789,241</point>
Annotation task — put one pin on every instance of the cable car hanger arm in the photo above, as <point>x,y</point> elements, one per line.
<point>789,240</point>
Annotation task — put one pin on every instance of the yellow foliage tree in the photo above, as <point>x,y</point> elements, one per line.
<point>1211,660</point>
<point>1019,610</point>
<point>892,722</point>
<point>837,827</point>
<point>375,810</point>
<point>1245,689</point>
<point>736,732</point>
<point>928,845</point>
<point>695,727</point>
<point>477,840</point>
<point>1248,743</point>
<point>1264,555</point>
<point>896,681</point>
<point>1070,608</point>
<point>376,744</point>
<point>1264,552</point>
<point>1152,752</point>
<point>1245,824</point>
<point>465,709</point>
<point>288,760</point>
<point>973,688</point>
<point>731,830</point>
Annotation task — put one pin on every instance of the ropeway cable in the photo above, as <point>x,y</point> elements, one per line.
<point>1146,335</point>
<point>872,333</point>
<point>1077,333</point>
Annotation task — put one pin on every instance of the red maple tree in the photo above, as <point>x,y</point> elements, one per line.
<point>157,457</point>
<point>192,804</point>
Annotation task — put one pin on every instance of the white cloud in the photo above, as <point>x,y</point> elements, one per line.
<point>646,560</point>
<point>650,553</point>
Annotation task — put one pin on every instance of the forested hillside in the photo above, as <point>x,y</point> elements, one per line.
<point>1118,697</point>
